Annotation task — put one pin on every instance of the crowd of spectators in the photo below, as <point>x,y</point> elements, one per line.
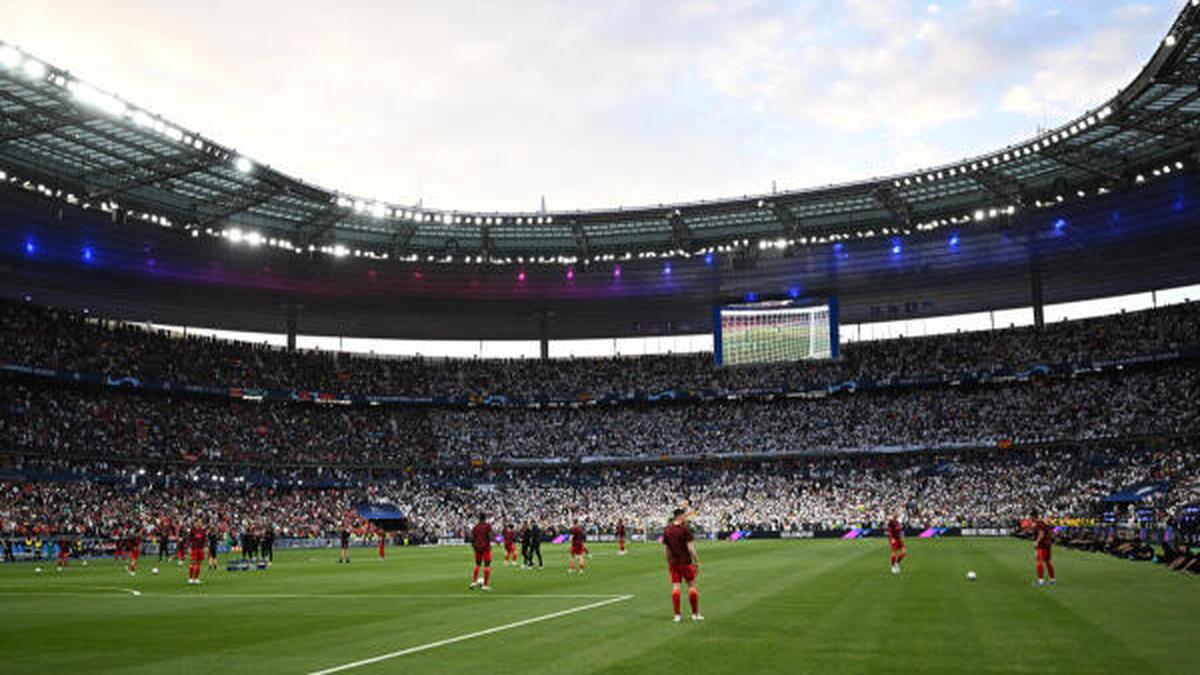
<point>104,423</point>
<point>992,488</point>
<point>90,460</point>
<point>36,336</point>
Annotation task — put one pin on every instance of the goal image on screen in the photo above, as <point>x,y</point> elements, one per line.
<point>773,332</point>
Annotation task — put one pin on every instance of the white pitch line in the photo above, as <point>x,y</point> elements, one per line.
<point>469,636</point>
<point>357,596</point>
<point>306,596</point>
<point>79,590</point>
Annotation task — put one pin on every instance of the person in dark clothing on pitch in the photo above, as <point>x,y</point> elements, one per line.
<point>268,544</point>
<point>525,552</point>
<point>535,544</point>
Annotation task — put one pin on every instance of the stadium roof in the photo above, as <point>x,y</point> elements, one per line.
<point>66,139</point>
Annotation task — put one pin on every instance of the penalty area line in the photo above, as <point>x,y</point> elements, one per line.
<point>469,636</point>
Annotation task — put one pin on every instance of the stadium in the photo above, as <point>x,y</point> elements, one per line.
<point>251,422</point>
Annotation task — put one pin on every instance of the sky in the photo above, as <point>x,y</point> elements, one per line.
<point>488,106</point>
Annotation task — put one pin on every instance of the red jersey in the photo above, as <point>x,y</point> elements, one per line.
<point>510,537</point>
<point>676,539</point>
<point>621,530</point>
<point>196,538</point>
<point>1043,533</point>
<point>895,532</point>
<point>577,536</point>
<point>481,536</point>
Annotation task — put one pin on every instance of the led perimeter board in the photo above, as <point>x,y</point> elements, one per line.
<point>775,331</point>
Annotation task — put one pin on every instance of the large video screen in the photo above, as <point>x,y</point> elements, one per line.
<point>777,331</point>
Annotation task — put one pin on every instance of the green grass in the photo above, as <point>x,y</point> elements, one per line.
<point>784,606</point>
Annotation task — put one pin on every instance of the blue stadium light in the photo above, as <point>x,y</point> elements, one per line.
<point>1059,226</point>
<point>954,240</point>
<point>617,272</point>
<point>87,254</point>
<point>752,297</point>
<point>708,258</point>
<point>794,292</point>
<point>30,247</point>
<point>897,246</point>
<point>667,269</point>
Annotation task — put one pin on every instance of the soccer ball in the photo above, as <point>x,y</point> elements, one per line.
<point>84,563</point>
<point>154,571</point>
<point>37,570</point>
<point>971,575</point>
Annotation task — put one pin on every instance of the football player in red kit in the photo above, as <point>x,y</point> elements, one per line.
<point>382,545</point>
<point>682,562</point>
<point>134,544</point>
<point>64,553</point>
<point>578,548</point>
<point>1043,540</point>
<point>620,537</point>
<point>896,539</point>
<point>481,541</point>
<point>196,541</point>
<point>510,545</point>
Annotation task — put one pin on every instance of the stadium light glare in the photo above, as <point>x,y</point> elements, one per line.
<point>1170,40</point>
<point>243,164</point>
<point>234,235</point>
<point>254,239</point>
<point>9,57</point>
<point>897,246</point>
<point>34,69</point>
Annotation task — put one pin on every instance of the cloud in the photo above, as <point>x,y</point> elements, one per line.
<point>1067,79</point>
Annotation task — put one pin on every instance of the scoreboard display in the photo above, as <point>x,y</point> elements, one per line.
<point>775,331</point>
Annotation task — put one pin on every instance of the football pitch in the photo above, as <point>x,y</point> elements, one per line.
<point>770,606</point>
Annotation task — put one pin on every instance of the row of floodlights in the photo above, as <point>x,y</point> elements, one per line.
<point>381,210</point>
<point>1008,155</point>
<point>13,60</point>
<point>253,239</point>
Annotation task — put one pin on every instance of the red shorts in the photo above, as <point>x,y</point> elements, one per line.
<point>197,555</point>
<point>483,555</point>
<point>683,573</point>
<point>1043,554</point>
<point>577,549</point>
<point>135,552</point>
<point>897,544</point>
<point>510,547</point>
